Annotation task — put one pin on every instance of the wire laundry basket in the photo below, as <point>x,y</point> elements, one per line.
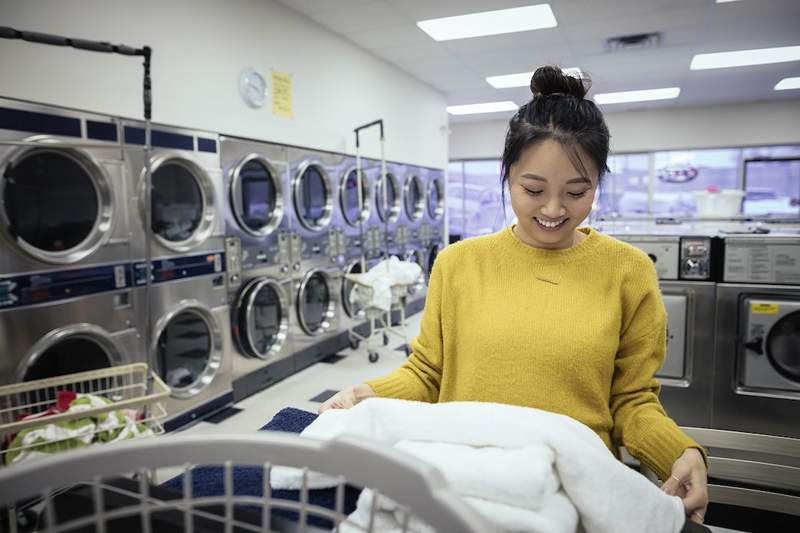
<point>102,494</point>
<point>123,402</point>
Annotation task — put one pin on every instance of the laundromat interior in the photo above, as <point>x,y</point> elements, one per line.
<point>400,265</point>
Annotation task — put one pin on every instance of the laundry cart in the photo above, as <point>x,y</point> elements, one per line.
<point>115,488</point>
<point>380,310</point>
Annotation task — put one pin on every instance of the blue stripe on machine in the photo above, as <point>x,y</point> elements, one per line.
<point>207,145</point>
<point>17,119</point>
<point>162,139</point>
<point>177,268</point>
<point>103,131</point>
<point>134,135</point>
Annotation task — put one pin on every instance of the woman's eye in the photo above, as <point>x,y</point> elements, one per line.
<point>577,194</point>
<point>532,193</point>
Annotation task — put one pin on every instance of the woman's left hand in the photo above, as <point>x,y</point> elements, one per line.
<point>689,481</point>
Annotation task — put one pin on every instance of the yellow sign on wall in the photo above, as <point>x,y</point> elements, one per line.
<point>281,94</point>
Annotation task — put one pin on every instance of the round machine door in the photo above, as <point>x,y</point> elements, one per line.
<point>262,318</point>
<point>435,199</point>
<point>416,257</point>
<point>352,309</point>
<point>312,197</point>
<point>348,198</point>
<point>188,348</point>
<point>783,346</point>
<point>315,307</point>
<point>182,202</point>
<point>77,348</point>
<point>432,253</point>
<point>390,204</point>
<point>56,203</point>
<point>256,196</point>
<point>414,198</point>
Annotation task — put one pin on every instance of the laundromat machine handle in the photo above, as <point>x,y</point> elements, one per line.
<point>756,345</point>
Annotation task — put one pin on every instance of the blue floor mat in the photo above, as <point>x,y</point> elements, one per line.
<point>249,480</point>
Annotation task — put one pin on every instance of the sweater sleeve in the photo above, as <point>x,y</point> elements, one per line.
<point>640,422</point>
<point>419,378</point>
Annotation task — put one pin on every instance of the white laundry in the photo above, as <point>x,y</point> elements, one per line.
<point>380,279</point>
<point>592,484</point>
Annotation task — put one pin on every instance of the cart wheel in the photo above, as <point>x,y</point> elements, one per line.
<point>373,357</point>
<point>354,344</point>
<point>385,339</point>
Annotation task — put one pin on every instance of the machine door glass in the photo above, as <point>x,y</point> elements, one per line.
<point>315,300</point>
<point>435,199</point>
<point>256,198</point>
<point>70,355</point>
<point>432,253</point>
<point>349,198</point>
<point>184,350</point>
<point>414,198</point>
<point>783,346</point>
<point>392,204</point>
<point>352,309</point>
<point>262,318</point>
<point>312,198</point>
<point>51,200</point>
<point>674,362</point>
<point>177,201</point>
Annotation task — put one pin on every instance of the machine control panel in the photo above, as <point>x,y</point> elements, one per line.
<point>774,260</point>
<point>233,256</point>
<point>177,268</point>
<point>696,258</point>
<point>663,251</point>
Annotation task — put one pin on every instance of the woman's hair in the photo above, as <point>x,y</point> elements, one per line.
<point>558,111</point>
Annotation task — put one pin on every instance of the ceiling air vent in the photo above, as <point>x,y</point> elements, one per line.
<point>633,42</point>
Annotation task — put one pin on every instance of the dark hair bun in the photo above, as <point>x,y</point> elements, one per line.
<point>550,80</point>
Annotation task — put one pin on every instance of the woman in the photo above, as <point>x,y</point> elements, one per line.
<point>549,315</point>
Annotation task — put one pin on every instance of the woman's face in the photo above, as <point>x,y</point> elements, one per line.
<point>549,195</point>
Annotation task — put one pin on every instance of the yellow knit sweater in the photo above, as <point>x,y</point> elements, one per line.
<point>578,331</point>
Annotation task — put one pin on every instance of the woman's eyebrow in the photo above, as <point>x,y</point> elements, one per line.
<point>581,179</point>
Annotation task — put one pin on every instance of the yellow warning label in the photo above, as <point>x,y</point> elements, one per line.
<point>760,308</point>
<point>281,94</point>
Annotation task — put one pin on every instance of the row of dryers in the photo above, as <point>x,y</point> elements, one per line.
<point>249,243</point>
<point>733,305</point>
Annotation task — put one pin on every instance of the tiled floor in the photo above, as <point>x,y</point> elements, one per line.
<point>317,382</point>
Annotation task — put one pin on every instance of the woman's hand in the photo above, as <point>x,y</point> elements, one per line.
<point>689,481</point>
<point>347,398</point>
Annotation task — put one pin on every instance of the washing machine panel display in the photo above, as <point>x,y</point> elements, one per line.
<point>57,204</point>
<point>177,201</point>
<point>391,203</point>
<point>414,198</point>
<point>313,198</point>
<point>349,198</point>
<point>256,197</point>
<point>435,199</point>
<point>186,354</point>
<point>262,320</point>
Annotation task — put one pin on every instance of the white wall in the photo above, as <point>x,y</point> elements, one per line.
<point>199,48</point>
<point>759,123</point>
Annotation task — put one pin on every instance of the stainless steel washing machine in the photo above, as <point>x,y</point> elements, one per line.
<point>60,322</point>
<point>317,331</point>
<point>191,345</point>
<point>61,206</point>
<point>434,207</point>
<point>757,361</point>
<point>388,208</point>
<point>187,190</point>
<point>355,216</point>
<point>687,267</point>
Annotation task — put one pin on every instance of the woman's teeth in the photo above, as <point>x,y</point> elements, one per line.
<point>549,224</point>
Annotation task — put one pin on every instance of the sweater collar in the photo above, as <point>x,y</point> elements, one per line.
<point>584,248</point>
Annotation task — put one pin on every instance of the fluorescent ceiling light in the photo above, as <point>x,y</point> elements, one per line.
<point>788,83</point>
<point>742,58</point>
<point>490,23</point>
<point>523,79</point>
<point>488,107</point>
<point>726,1</point>
<point>637,96</point>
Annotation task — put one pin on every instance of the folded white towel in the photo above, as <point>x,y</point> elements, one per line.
<point>606,494</point>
